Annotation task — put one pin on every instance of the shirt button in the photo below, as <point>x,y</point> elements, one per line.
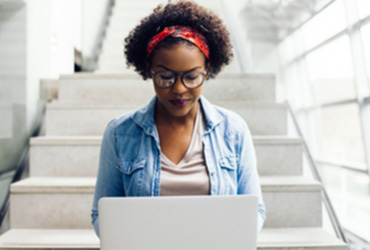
<point>212,173</point>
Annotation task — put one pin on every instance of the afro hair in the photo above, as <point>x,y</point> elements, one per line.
<point>186,13</point>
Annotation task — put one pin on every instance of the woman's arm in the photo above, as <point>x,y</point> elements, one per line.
<point>109,179</point>
<point>248,179</point>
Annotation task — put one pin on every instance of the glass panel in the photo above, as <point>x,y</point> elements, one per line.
<point>340,134</point>
<point>292,88</point>
<point>326,24</point>
<point>349,194</point>
<point>363,8</point>
<point>331,73</point>
<point>286,49</point>
<point>365,30</point>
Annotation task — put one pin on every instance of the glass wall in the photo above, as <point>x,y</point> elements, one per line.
<point>321,69</point>
<point>331,73</point>
<point>323,26</point>
<point>363,7</point>
<point>365,32</point>
<point>339,130</point>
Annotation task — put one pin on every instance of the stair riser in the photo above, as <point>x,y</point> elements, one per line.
<point>284,209</point>
<point>62,211</point>
<point>67,161</point>
<point>277,159</point>
<point>93,121</point>
<point>120,91</point>
<point>293,209</point>
<point>82,160</point>
<point>105,91</point>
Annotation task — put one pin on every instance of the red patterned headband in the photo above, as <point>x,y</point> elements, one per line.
<point>184,32</point>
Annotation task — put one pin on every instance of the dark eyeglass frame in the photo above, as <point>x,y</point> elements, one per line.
<point>176,74</point>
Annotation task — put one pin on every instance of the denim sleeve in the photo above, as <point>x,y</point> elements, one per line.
<point>248,179</point>
<point>109,179</point>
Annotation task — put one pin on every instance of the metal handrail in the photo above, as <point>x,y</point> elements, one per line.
<point>329,207</point>
<point>348,166</point>
<point>21,167</point>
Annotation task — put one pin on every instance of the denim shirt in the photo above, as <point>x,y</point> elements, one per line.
<point>130,157</point>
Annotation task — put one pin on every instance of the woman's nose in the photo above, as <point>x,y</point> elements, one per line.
<point>179,87</point>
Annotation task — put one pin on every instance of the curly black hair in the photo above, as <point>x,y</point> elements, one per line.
<point>185,13</point>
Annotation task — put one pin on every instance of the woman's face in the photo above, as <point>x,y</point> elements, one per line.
<point>178,100</point>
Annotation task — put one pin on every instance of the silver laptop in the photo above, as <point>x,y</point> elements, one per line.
<point>185,222</point>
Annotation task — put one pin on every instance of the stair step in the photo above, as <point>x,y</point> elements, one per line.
<point>64,156</point>
<point>87,184</point>
<point>279,155</point>
<point>55,202</point>
<point>59,203</point>
<point>291,201</point>
<point>298,239</point>
<point>104,89</point>
<point>118,89</point>
<point>113,67</point>
<point>268,239</point>
<point>57,185</point>
<point>81,120</point>
<point>79,156</point>
<point>58,239</point>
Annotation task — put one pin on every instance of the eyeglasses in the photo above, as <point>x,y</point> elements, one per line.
<point>191,79</point>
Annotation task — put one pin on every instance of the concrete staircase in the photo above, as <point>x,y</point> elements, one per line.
<point>51,209</point>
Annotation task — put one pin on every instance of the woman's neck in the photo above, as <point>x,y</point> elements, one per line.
<point>165,118</point>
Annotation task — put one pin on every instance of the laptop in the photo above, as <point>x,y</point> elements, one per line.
<point>182,222</point>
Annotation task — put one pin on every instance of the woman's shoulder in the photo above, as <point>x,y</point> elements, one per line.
<point>121,123</point>
<point>231,118</point>
<point>125,124</point>
<point>228,119</point>
<point>133,120</point>
<point>122,120</point>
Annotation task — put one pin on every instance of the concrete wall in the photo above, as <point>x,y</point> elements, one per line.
<point>37,41</point>
<point>92,25</point>
<point>13,94</point>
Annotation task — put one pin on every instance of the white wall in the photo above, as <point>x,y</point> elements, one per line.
<point>37,41</point>
<point>12,81</point>
<point>238,32</point>
<point>55,28</point>
<point>264,59</point>
<point>93,13</point>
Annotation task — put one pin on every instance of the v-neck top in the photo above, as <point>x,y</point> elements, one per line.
<point>190,175</point>
<point>130,162</point>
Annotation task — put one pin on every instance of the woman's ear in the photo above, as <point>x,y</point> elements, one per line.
<point>148,71</point>
<point>208,68</point>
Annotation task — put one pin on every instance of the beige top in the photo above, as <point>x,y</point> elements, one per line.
<point>190,175</point>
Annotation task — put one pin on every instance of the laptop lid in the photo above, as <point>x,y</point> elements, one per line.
<point>184,222</point>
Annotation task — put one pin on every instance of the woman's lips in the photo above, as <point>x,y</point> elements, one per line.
<point>179,103</point>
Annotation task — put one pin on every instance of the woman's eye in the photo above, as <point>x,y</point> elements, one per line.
<point>191,77</point>
<point>166,77</point>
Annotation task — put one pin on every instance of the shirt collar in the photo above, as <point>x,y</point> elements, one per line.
<point>211,114</point>
<point>144,117</point>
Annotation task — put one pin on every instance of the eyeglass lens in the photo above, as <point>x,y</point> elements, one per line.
<point>165,79</point>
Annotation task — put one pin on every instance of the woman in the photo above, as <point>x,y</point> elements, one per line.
<point>179,144</point>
